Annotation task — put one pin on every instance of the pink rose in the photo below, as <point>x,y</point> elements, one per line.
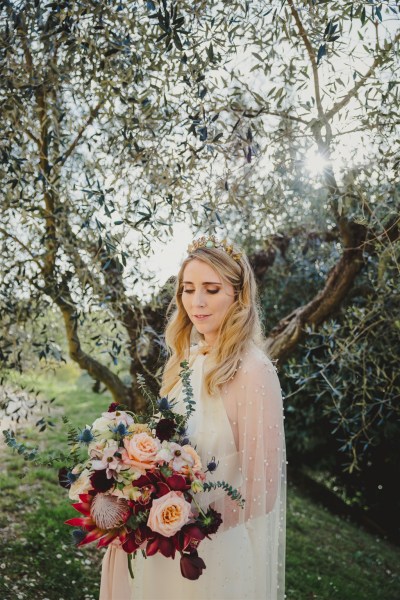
<point>141,451</point>
<point>169,514</point>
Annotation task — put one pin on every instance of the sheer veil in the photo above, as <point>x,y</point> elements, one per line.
<point>257,467</point>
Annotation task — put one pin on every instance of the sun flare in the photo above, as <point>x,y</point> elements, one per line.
<point>316,163</point>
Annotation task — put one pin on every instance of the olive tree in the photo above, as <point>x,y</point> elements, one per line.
<point>122,118</point>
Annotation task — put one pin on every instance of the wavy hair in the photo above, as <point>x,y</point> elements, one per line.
<point>241,324</point>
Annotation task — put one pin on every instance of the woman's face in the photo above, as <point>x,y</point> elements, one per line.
<point>206,298</point>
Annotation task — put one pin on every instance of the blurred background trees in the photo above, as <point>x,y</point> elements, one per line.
<point>275,124</point>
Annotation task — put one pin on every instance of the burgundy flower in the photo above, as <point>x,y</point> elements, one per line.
<point>147,492</point>
<point>178,483</point>
<point>147,479</point>
<point>113,407</point>
<point>162,489</point>
<point>160,543</point>
<point>137,507</point>
<point>165,429</point>
<point>143,480</point>
<point>189,537</point>
<point>211,522</point>
<point>100,482</point>
<point>136,538</point>
<point>152,486</point>
<point>192,565</point>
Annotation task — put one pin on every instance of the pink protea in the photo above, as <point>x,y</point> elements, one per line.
<point>105,517</point>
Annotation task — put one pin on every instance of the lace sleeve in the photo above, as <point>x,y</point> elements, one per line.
<point>253,403</point>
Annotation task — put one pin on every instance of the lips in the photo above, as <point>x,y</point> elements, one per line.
<point>201,317</point>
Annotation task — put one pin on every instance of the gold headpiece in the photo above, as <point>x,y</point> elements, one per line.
<point>212,242</point>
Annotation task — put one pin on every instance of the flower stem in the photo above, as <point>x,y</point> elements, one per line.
<point>196,503</point>
<point>130,558</point>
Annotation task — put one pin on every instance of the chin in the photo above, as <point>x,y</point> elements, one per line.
<point>202,328</point>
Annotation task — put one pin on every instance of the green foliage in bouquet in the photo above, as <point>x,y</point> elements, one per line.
<point>232,492</point>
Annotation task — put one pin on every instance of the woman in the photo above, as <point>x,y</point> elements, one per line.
<point>237,427</point>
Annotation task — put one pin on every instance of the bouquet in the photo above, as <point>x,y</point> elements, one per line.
<point>137,483</point>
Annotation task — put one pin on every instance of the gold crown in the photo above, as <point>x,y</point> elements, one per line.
<point>212,242</point>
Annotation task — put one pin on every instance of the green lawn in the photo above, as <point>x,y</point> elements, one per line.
<point>327,557</point>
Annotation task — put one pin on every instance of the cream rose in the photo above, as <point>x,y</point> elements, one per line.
<point>118,416</point>
<point>139,428</point>
<point>169,514</point>
<point>102,426</point>
<point>141,451</point>
<point>81,486</point>
<point>197,466</point>
<point>97,449</point>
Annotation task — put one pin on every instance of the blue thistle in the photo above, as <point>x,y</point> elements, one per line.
<point>212,465</point>
<point>163,403</point>
<point>182,430</point>
<point>78,535</point>
<point>85,436</point>
<point>71,477</point>
<point>66,478</point>
<point>120,429</point>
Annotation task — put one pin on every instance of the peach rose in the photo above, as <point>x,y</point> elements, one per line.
<point>197,461</point>
<point>141,451</point>
<point>169,514</point>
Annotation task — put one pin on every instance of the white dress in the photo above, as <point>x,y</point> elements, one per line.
<point>243,429</point>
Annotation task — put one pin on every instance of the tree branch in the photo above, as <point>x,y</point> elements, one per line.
<point>97,370</point>
<point>21,29</point>
<point>131,317</point>
<point>9,235</point>
<point>265,111</point>
<point>262,260</point>
<point>123,307</point>
<point>93,113</point>
<point>48,195</point>
<point>379,60</point>
<point>284,337</point>
<point>312,57</point>
<point>33,137</point>
<point>73,247</point>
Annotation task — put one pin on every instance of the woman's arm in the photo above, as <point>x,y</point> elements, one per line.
<point>253,401</point>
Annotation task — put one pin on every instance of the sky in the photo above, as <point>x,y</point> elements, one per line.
<point>166,259</point>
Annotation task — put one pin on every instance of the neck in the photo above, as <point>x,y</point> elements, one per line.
<point>210,342</point>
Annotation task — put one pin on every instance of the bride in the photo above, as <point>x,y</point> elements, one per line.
<point>237,429</point>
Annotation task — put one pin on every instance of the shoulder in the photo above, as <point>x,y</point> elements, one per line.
<point>254,360</point>
<point>257,375</point>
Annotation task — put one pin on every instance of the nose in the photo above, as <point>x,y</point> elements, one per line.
<point>199,298</point>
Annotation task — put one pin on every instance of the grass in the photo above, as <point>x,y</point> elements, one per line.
<point>327,557</point>
<point>330,557</point>
<point>37,558</point>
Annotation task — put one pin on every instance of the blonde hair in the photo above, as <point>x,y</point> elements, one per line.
<point>241,324</point>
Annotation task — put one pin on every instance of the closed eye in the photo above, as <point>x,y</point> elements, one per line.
<point>209,291</point>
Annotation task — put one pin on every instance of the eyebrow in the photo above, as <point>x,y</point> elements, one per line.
<point>205,282</point>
